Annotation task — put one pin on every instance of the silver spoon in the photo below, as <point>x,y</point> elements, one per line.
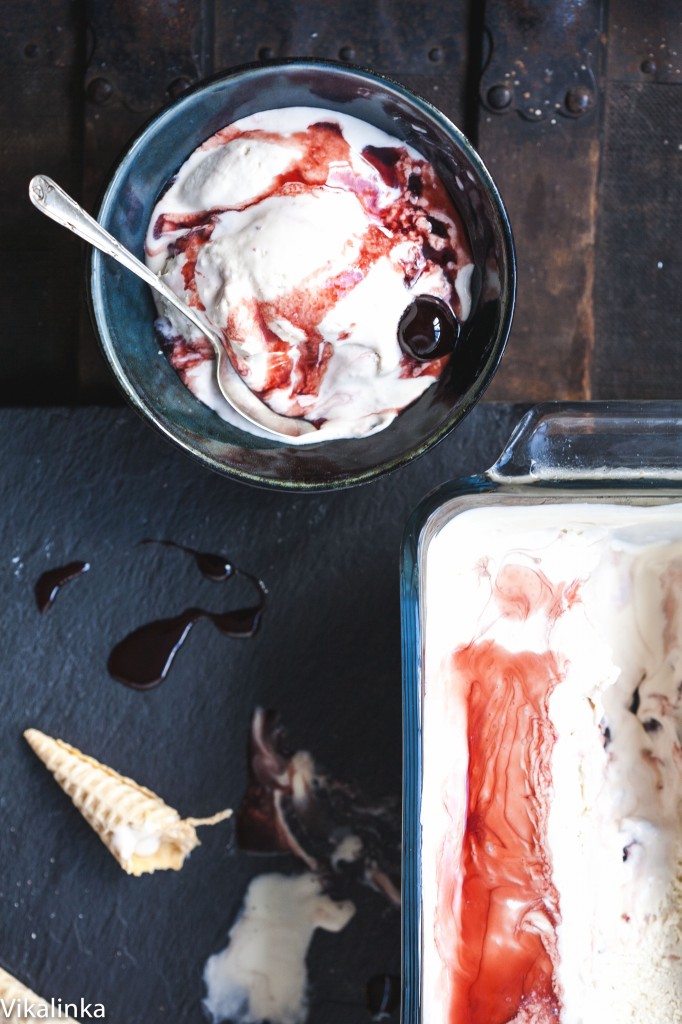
<point>53,201</point>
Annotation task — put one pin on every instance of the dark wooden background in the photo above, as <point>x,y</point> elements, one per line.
<point>575,105</point>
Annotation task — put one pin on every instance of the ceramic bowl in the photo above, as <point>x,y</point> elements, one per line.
<point>123,310</point>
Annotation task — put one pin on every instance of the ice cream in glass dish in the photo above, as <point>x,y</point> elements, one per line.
<point>551,797</point>
<point>329,257</point>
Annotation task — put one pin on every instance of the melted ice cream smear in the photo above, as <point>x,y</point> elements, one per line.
<point>261,975</point>
<point>291,805</point>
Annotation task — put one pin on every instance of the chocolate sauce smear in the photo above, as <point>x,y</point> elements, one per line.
<point>428,329</point>
<point>144,658</point>
<point>52,581</point>
<point>291,806</point>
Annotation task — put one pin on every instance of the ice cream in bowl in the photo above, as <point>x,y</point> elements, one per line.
<point>345,242</point>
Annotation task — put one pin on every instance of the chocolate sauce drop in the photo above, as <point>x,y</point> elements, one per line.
<point>52,581</point>
<point>213,567</point>
<point>428,329</point>
<point>144,658</point>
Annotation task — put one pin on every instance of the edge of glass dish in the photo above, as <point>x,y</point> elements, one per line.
<point>601,452</point>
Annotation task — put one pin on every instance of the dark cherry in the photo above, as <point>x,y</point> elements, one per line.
<point>428,329</point>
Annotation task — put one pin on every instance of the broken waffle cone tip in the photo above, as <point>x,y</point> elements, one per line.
<point>142,832</point>
<point>17,1001</point>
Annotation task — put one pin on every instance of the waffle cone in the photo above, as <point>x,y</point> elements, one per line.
<point>142,832</point>
<point>15,995</point>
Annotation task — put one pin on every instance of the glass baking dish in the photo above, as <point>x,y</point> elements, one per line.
<point>622,453</point>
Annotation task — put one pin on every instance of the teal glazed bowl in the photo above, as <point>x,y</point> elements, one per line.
<point>123,310</point>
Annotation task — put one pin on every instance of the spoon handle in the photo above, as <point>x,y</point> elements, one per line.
<point>53,201</point>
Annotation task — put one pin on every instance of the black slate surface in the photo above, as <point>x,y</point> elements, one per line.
<point>90,484</point>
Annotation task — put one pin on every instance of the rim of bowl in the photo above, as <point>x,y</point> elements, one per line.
<point>346,479</point>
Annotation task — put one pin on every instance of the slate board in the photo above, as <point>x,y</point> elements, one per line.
<point>90,484</point>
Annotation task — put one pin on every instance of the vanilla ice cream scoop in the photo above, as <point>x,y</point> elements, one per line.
<point>303,235</point>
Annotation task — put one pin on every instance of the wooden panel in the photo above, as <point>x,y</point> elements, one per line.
<point>539,135</point>
<point>141,56</point>
<point>41,132</point>
<point>411,41</point>
<point>645,41</point>
<point>638,300</point>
